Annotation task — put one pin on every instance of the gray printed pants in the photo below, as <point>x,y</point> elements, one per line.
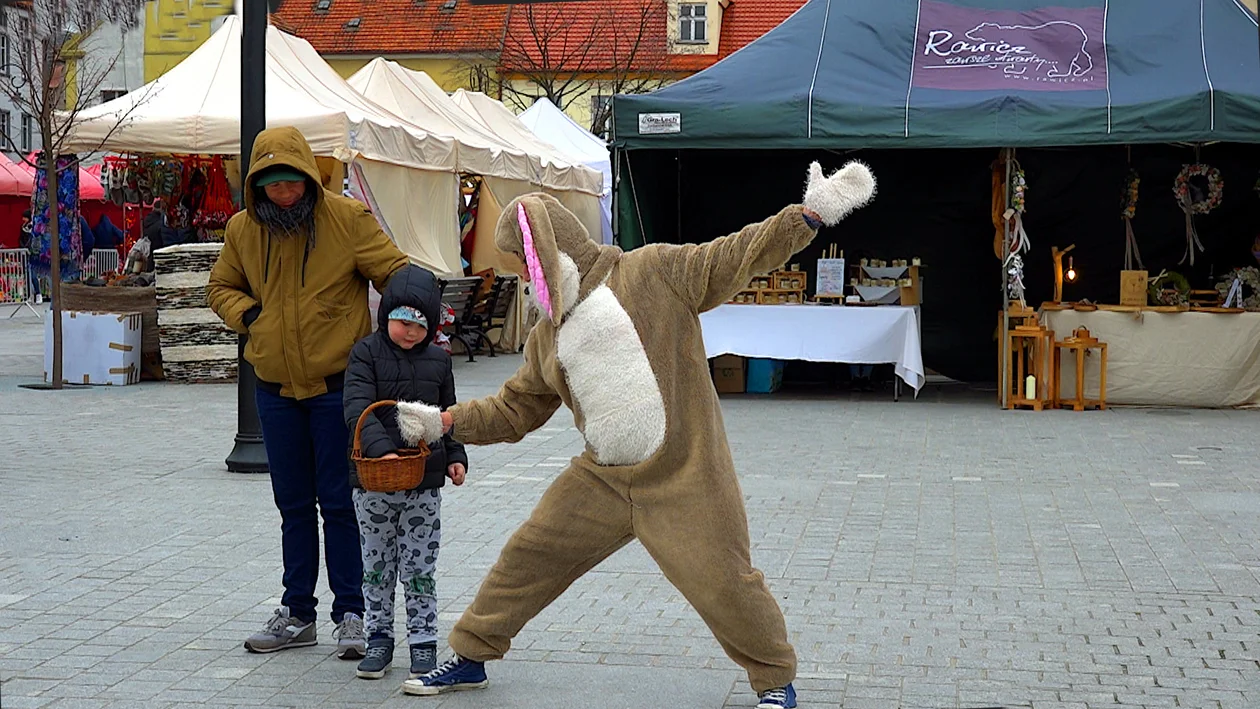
<point>400,533</point>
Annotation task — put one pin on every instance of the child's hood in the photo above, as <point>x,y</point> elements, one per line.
<point>414,287</point>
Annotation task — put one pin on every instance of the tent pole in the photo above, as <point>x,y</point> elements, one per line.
<point>634,194</point>
<point>249,455</point>
<point>615,188</point>
<point>1003,371</point>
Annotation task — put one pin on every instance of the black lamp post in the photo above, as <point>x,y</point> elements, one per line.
<point>249,455</point>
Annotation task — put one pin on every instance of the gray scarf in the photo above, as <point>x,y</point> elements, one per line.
<point>288,222</point>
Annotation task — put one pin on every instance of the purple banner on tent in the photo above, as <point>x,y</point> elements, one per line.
<point>974,49</point>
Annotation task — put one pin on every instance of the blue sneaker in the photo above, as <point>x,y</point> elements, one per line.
<point>778,698</point>
<point>454,675</point>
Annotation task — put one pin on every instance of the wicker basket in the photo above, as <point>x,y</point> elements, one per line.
<point>388,474</point>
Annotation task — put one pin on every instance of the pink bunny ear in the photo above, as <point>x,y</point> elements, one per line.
<point>531,261</point>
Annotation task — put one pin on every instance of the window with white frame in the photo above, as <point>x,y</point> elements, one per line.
<point>6,126</point>
<point>27,132</point>
<point>108,95</point>
<point>4,55</point>
<point>692,23</point>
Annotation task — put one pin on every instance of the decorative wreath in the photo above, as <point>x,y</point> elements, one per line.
<point>1250,277</point>
<point>1169,288</point>
<point>1190,193</point>
<point>1131,195</point>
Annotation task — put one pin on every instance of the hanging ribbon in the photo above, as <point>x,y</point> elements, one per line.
<point>1235,293</point>
<point>1019,237</point>
<point>1131,252</point>
<point>1192,236</point>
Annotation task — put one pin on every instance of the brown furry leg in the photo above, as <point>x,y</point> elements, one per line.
<point>578,522</point>
<point>699,537</point>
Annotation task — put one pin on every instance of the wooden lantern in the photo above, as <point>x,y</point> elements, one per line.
<point>1057,255</point>
<point>1031,348</point>
<point>1079,344</point>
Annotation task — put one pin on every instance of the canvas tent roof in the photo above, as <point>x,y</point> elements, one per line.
<point>949,73</point>
<point>196,106</point>
<point>14,181</point>
<point>500,120</point>
<point>552,125</point>
<point>482,148</point>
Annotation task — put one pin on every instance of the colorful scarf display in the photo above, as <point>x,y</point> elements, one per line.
<point>67,220</point>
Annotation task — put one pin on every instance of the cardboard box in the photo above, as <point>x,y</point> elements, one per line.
<point>728,374</point>
<point>1133,287</point>
<point>96,348</point>
<point>765,376</point>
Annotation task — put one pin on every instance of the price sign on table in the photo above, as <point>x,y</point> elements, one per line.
<point>831,278</point>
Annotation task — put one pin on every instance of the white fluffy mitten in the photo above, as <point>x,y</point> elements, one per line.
<point>419,422</point>
<point>833,198</point>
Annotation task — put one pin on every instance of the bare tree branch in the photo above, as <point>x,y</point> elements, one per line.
<point>49,38</point>
<point>563,53</point>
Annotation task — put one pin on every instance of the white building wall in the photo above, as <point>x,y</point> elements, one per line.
<point>24,134</point>
<point>117,54</point>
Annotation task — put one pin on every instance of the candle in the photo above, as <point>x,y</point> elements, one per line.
<point>1030,387</point>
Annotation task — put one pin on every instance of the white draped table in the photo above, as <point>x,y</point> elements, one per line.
<point>1208,360</point>
<point>819,333</point>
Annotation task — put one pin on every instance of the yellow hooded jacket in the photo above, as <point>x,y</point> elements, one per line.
<point>313,308</point>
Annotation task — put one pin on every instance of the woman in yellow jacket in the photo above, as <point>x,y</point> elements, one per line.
<point>293,275</point>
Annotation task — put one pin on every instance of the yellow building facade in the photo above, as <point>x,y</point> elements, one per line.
<point>174,28</point>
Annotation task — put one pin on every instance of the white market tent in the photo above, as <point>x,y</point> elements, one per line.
<point>195,108</point>
<point>552,125</point>
<point>413,93</point>
<point>499,120</point>
<point>483,150</point>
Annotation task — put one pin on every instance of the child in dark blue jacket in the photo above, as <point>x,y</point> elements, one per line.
<point>400,532</point>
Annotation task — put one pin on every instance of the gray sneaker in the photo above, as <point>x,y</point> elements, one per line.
<point>351,642</point>
<point>282,632</point>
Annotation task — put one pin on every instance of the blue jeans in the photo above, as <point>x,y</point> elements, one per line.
<point>861,371</point>
<point>306,445</point>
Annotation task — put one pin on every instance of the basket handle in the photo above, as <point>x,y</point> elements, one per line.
<point>358,429</point>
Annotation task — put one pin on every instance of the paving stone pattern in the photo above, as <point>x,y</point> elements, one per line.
<point>928,554</point>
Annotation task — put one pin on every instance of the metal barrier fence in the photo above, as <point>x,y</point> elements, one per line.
<point>15,278</point>
<point>16,287</point>
<point>101,263</point>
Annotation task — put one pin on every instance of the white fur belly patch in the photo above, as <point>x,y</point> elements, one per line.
<point>611,381</point>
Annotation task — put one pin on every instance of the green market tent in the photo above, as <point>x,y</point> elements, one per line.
<point>1175,82</point>
<point>969,73</point>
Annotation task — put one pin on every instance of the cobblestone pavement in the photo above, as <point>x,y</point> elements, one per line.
<point>928,554</point>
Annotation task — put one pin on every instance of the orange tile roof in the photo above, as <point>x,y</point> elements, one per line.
<point>392,27</point>
<point>396,26</point>
<point>744,21</point>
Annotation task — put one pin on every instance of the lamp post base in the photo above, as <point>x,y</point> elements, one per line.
<point>248,455</point>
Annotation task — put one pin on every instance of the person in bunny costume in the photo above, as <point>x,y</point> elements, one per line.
<point>619,343</point>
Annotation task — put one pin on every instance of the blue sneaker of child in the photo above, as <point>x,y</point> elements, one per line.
<point>777,698</point>
<point>454,675</point>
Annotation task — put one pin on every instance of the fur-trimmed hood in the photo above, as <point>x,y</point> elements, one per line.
<point>561,260</point>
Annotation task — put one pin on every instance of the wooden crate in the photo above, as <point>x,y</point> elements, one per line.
<point>780,297</point>
<point>745,297</point>
<point>1133,287</point>
<point>761,283</point>
<point>789,280</point>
